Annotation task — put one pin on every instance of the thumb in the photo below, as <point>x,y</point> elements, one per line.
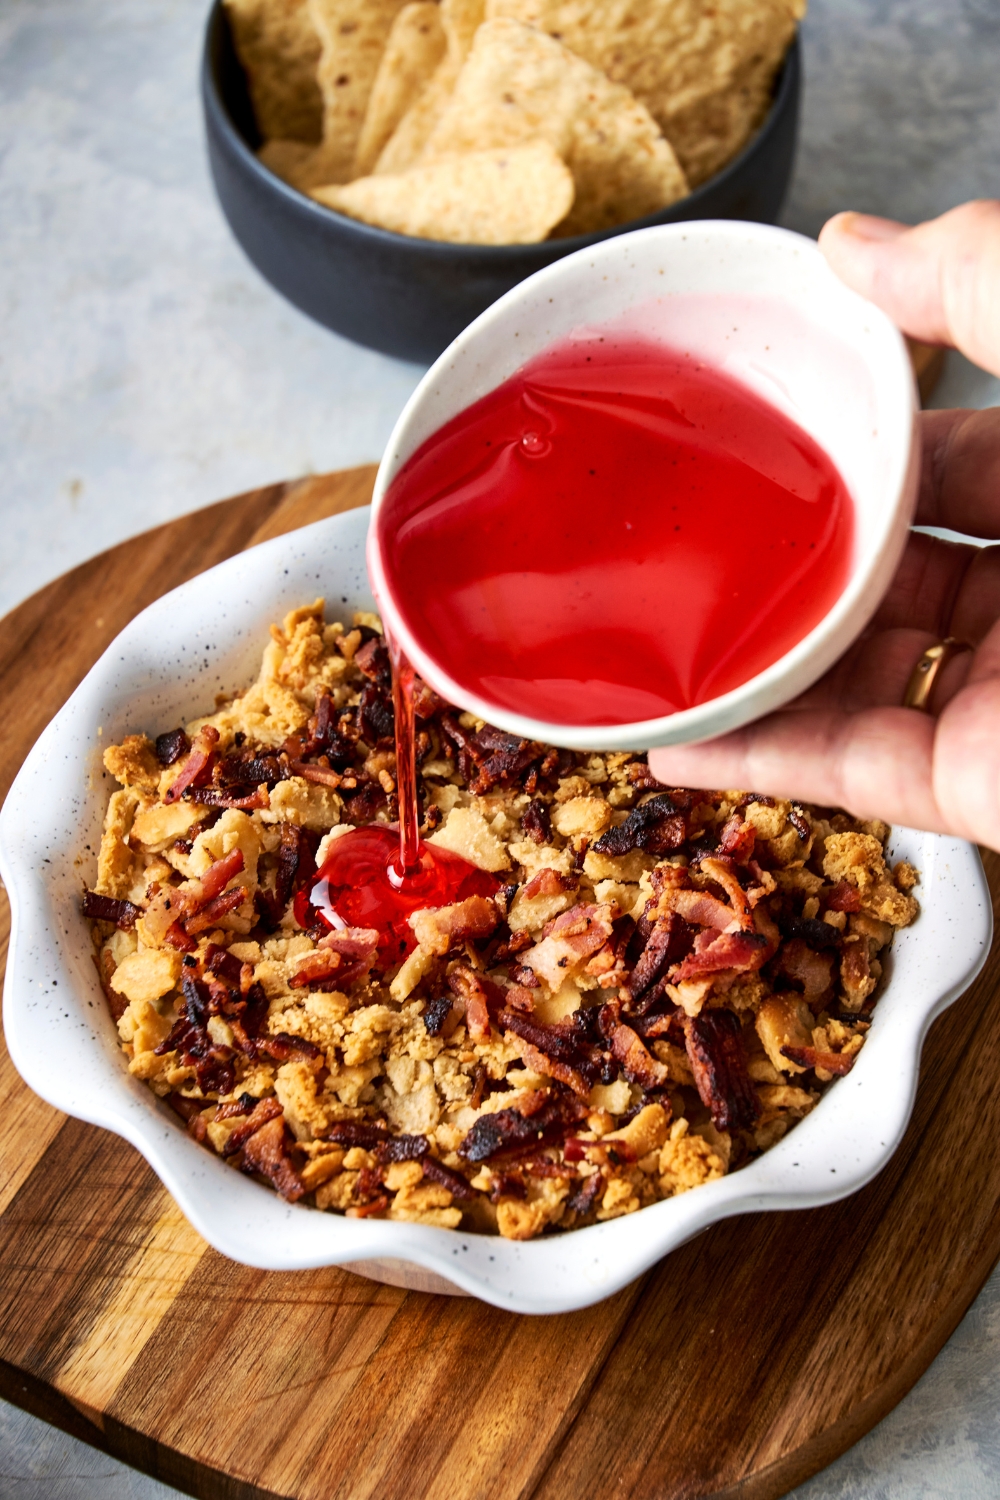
<point>939,282</point>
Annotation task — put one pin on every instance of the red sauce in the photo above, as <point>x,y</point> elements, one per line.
<point>616,533</point>
<point>360,885</point>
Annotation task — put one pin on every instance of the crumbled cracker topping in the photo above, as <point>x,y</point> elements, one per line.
<point>662,986</point>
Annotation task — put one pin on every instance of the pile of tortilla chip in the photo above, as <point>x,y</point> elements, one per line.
<point>498,122</point>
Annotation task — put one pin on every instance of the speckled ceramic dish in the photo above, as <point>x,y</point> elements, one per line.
<point>167,665</point>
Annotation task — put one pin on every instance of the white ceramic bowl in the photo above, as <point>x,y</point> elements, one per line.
<point>165,667</point>
<point>762,304</point>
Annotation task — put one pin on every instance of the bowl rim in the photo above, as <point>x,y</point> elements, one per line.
<point>246,1221</point>
<point>809,657</point>
<point>498,257</point>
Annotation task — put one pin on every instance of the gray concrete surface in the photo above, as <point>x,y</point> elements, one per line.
<point>146,370</point>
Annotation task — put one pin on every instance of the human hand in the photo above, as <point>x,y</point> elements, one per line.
<point>847,742</point>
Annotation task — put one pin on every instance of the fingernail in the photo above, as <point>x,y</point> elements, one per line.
<point>868,227</point>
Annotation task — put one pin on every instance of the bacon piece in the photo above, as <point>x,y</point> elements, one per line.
<point>699,907</point>
<point>668,941</point>
<point>540,1120</point>
<point>437,1172</point>
<point>799,821</point>
<point>365,1133</point>
<point>569,941</point>
<point>262,1111</point>
<point>814,971</point>
<point>519,997</point>
<point>842,897</point>
<point>481,996</point>
<point>583,1200</point>
<point>372,660</point>
<point>342,957</point>
<point>561,1051</point>
<point>243,801</point>
<point>171,746</point>
<point>209,915</point>
<point>441,928</point>
<point>244,1105</point>
<point>216,878</point>
<point>376,719</point>
<point>516,943</point>
<point>249,770</point>
<point>817,934</point>
<point>227,965</point>
<point>402,1148</point>
<point>436,1014</point>
<point>718,1062</point>
<point>296,867</point>
<point>124,914</point>
<point>741,951</point>
<point>321,775</point>
<point>536,824</point>
<point>636,1062</point>
<point>282,1046</point>
<point>546,882</point>
<point>837,1063</point>
<point>723,873</point>
<point>176,937</point>
<point>655,826</point>
<point>197,767</point>
<point>267,1152</point>
<point>737,839</point>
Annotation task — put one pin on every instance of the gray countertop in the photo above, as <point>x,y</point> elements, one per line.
<point>146,370</point>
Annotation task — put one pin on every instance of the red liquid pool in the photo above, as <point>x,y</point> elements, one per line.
<point>616,533</point>
<point>360,885</point>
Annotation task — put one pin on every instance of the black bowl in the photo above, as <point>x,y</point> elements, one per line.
<point>411,297</point>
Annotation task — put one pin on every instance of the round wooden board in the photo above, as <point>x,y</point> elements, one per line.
<point>742,1364</point>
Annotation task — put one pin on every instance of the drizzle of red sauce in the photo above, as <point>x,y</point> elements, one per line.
<point>615,533</point>
<point>359,885</point>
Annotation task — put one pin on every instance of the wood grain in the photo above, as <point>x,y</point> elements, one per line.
<point>742,1364</point>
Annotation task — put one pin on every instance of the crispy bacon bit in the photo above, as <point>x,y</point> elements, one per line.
<point>582,1201</point>
<point>364,1133</point>
<point>741,951</point>
<point>502,759</point>
<point>401,1148</point>
<point>436,1014</point>
<point>636,1062</point>
<point>817,934</point>
<point>814,971</point>
<point>568,941</point>
<point>536,824</point>
<point>441,928</point>
<point>655,826</point>
<point>642,778</point>
<point>722,871</point>
<point>372,660</point>
<point>209,915</point>
<point>236,797</point>
<point>507,1185</point>
<point>481,997</point>
<point>737,839</point>
<point>282,1046</point>
<point>698,907</point>
<point>540,1119</point>
<point>843,897</point>
<point>837,1063</point>
<point>321,775</point>
<point>225,964</point>
<point>106,909</point>
<point>244,1105</point>
<point>198,765</point>
<point>171,746</point>
<point>668,941</point>
<point>376,719</point>
<point>718,1062</point>
<point>437,1172</point>
<point>266,1152</point>
<point>176,937</point>
<point>562,1051</point>
<point>262,1111</point>
<point>799,822</point>
<point>341,958</point>
<point>546,882</point>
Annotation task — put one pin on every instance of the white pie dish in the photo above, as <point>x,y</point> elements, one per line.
<point>166,666</point>
<point>762,305</point>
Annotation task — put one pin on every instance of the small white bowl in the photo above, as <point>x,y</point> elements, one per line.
<point>167,666</point>
<point>763,305</point>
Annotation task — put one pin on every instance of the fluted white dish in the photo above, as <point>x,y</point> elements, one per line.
<point>166,666</point>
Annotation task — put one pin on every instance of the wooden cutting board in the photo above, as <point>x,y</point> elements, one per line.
<point>743,1363</point>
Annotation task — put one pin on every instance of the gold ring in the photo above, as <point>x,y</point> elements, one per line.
<point>926,671</point>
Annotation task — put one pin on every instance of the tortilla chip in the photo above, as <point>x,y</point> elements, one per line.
<point>299,165</point>
<point>485,198</point>
<point>277,44</point>
<point>415,47</point>
<point>519,85</point>
<point>460,19</point>
<point>681,59</point>
<point>353,34</point>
